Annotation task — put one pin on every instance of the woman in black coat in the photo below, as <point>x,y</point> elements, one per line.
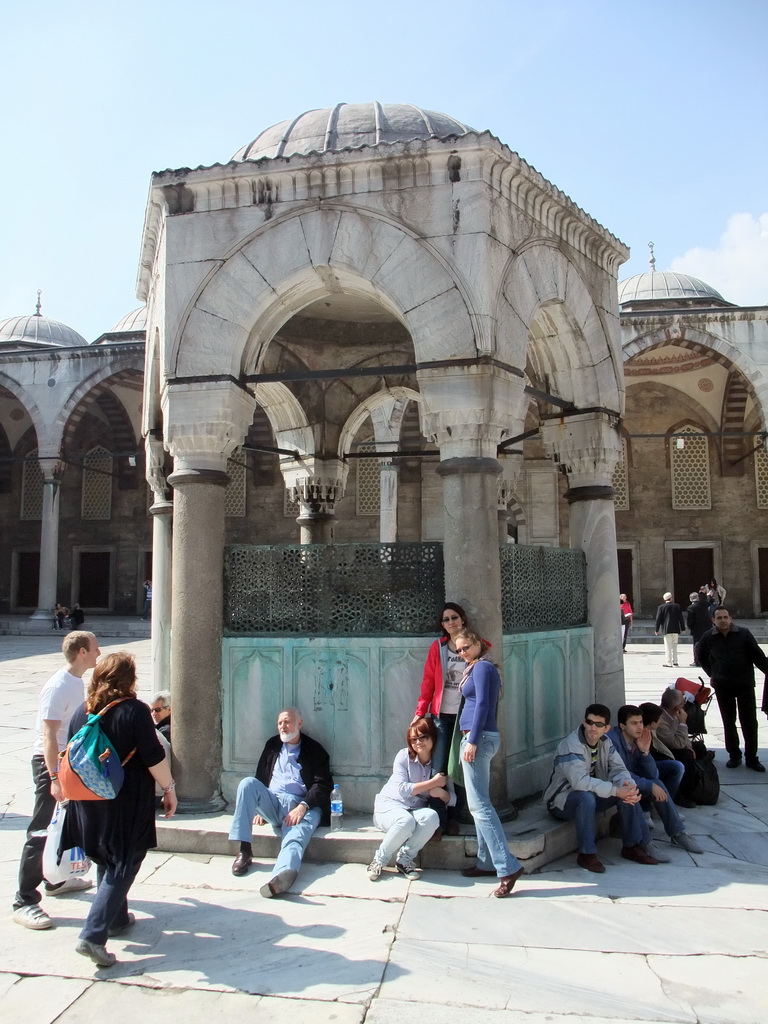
<point>116,834</point>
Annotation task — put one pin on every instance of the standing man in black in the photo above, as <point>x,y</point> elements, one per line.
<point>727,654</point>
<point>699,621</point>
<point>669,619</point>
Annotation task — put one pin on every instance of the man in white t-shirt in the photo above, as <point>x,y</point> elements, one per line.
<point>61,696</point>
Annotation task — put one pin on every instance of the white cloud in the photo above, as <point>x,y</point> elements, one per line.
<point>738,267</point>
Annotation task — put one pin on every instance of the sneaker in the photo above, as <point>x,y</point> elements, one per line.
<point>683,840</point>
<point>374,870</point>
<point>755,764</point>
<point>657,854</point>
<point>408,869</point>
<point>33,917</point>
<point>95,952</point>
<point>71,885</point>
<point>648,819</point>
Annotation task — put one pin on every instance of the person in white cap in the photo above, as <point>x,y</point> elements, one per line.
<point>669,620</point>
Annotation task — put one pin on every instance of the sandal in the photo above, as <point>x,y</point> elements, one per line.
<point>507,884</point>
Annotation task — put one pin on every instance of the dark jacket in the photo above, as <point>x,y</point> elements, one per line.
<point>315,771</point>
<point>669,618</point>
<point>698,617</point>
<point>729,659</point>
<point>642,767</point>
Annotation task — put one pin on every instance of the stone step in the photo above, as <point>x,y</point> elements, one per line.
<point>534,837</point>
<point>101,625</point>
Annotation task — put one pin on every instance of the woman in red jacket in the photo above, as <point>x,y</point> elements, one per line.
<point>440,691</point>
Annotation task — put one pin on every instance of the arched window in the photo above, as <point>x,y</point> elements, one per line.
<point>689,461</point>
<point>31,488</point>
<point>620,481</point>
<point>234,499</point>
<point>96,500</point>
<point>368,481</point>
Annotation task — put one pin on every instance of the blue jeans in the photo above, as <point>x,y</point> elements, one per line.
<point>254,798</point>
<point>671,774</point>
<point>110,905</point>
<point>581,807</point>
<point>492,849</point>
<point>666,809</point>
<point>407,832</point>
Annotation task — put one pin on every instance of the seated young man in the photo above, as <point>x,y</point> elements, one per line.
<point>589,776</point>
<point>670,770</point>
<point>632,741</point>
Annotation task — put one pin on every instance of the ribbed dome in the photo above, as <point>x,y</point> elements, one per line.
<point>134,321</point>
<point>350,126</point>
<point>661,286</point>
<point>30,332</point>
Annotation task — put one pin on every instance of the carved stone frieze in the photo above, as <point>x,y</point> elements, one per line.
<point>205,422</point>
<point>587,446</point>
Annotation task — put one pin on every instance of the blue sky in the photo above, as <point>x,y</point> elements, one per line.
<point>649,114</point>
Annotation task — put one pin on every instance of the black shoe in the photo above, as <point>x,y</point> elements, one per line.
<point>683,801</point>
<point>242,862</point>
<point>755,765</point>
<point>734,761</point>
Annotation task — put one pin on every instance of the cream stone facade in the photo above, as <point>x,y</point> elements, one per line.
<point>375,324</point>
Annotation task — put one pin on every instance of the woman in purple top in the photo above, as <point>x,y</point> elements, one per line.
<point>480,740</point>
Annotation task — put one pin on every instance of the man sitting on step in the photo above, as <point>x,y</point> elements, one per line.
<point>292,791</point>
<point>632,740</point>
<point>589,776</point>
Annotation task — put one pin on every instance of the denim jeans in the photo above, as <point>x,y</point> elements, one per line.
<point>581,807</point>
<point>407,832</point>
<point>110,905</point>
<point>492,849</point>
<point>31,863</point>
<point>444,724</point>
<point>666,810</point>
<point>671,774</point>
<point>254,798</point>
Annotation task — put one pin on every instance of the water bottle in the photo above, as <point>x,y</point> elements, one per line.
<point>337,810</point>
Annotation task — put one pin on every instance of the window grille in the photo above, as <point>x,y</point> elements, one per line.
<point>97,484</point>
<point>291,506</point>
<point>620,480</point>
<point>761,477</point>
<point>690,470</point>
<point>368,482</point>
<point>234,498</point>
<point>32,488</point>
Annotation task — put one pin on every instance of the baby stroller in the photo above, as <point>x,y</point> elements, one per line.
<point>697,698</point>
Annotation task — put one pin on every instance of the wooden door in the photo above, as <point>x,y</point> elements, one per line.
<point>624,556</point>
<point>95,568</point>
<point>28,579</point>
<point>690,568</point>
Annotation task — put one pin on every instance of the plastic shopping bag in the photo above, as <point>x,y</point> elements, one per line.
<point>73,862</point>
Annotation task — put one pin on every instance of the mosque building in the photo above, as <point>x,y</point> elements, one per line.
<point>375,326</point>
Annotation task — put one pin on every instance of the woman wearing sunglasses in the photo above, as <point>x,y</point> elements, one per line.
<point>440,693</point>
<point>480,740</point>
<point>401,808</point>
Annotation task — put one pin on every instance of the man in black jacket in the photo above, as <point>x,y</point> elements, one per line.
<point>291,791</point>
<point>669,619</point>
<point>727,654</point>
<point>699,621</point>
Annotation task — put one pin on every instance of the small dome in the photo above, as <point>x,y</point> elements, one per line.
<point>132,322</point>
<point>669,288</point>
<point>36,331</point>
<point>350,126</point>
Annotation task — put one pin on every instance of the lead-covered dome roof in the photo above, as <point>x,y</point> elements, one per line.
<point>667,289</point>
<point>350,126</point>
<point>37,331</point>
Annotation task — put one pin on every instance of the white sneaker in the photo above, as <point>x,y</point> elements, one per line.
<point>653,851</point>
<point>33,917</point>
<point>374,870</point>
<point>648,819</point>
<point>683,840</point>
<point>71,885</point>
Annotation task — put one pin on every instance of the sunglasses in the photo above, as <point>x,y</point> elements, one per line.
<point>597,725</point>
<point>420,737</point>
<point>463,650</point>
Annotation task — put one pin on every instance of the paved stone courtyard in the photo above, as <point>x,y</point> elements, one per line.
<point>682,942</point>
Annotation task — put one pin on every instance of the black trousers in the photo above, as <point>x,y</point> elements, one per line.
<point>731,700</point>
<point>31,864</point>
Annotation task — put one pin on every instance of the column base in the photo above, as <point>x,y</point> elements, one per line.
<point>212,806</point>
<point>42,613</point>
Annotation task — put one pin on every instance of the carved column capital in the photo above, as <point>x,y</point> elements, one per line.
<point>588,446</point>
<point>205,422</point>
<point>317,484</point>
<point>155,461</point>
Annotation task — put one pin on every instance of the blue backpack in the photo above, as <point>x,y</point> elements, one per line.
<point>89,768</point>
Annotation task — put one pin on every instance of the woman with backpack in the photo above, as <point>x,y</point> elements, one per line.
<point>116,834</point>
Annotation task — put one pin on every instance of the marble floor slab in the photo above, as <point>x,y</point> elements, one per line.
<point>38,1000</point>
<point>395,1011</point>
<point>719,989</point>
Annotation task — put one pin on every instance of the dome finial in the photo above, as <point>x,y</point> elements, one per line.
<point>39,307</point>
<point>652,259</point>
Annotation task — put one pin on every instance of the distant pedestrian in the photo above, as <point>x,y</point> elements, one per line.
<point>77,616</point>
<point>626,619</point>
<point>669,620</point>
<point>147,610</point>
<point>699,621</point>
<point>715,596</point>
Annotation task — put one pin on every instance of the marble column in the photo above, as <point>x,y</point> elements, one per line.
<point>388,479</point>
<point>589,447</point>
<point>317,484</point>
<point>49,540</point>
<point>162,538</point>
<point>315,527</point>
<point>196,623</point>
